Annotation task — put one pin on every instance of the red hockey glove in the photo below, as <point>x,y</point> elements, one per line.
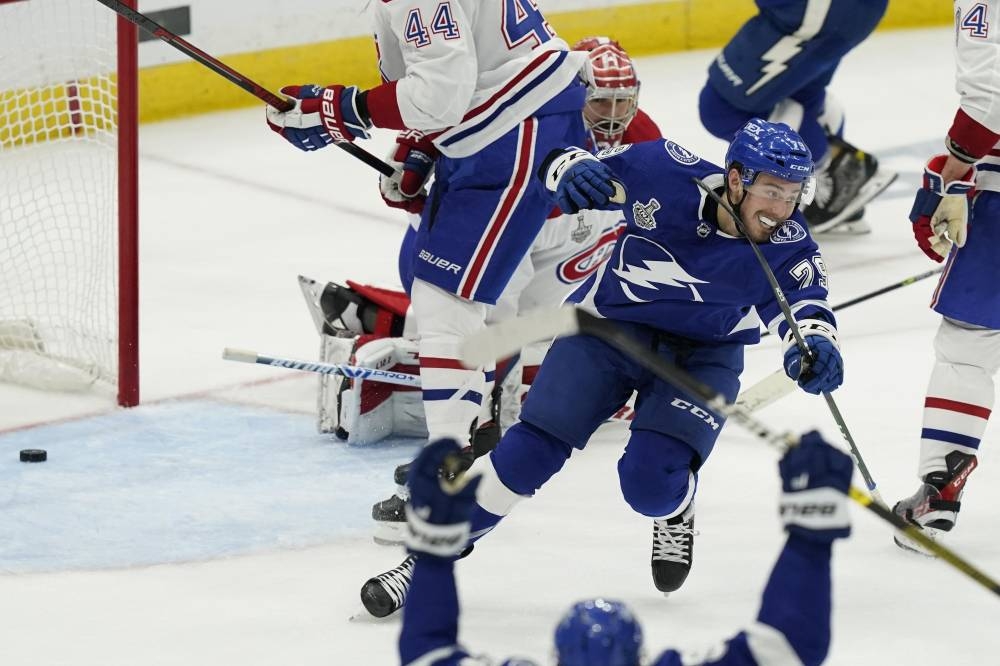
<point>413,158</point>
<point>940,210</point>
<point>320,116</point>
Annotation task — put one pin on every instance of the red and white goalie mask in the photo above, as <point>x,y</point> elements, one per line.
<point>612,90</point>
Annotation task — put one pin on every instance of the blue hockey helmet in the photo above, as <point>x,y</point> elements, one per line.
<point>775,148</point>
<point>598,632</point>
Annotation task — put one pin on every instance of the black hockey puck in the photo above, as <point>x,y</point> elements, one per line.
<point>34,455</point>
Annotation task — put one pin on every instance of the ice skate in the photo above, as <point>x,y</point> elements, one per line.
<point>673,550</point>
<point>934,507</point>
<point>389,514</point>
<point>386,593</point>
<point>850,179</point>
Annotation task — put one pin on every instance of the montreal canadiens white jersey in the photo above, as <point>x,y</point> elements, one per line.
<point>977,81</point>
<point>470,69</point>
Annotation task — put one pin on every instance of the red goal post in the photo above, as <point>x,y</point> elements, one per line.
<point>68,197</point>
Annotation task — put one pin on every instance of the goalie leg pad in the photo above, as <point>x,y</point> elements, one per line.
<point>960,394</point>
<point>371,411</point>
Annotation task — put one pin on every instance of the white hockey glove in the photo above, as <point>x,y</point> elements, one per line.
<point>940,212</point>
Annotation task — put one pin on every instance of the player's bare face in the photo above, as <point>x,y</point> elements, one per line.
<point>769,202</point>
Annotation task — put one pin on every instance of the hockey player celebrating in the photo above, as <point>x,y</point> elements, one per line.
<point>792,626</point>
<point>961,390</point>
<point>684,280</point>
<point>778,66</point>
<point>493,90</point>
<point>568,249</point>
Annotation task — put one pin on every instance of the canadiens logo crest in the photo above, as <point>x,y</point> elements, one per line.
<point>587,261</point>
<point>681,154</point>
<point>643,214</point>
<point>789,232</point>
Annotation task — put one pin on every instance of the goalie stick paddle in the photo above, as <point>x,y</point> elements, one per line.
<point>351,371</point>
<point>506,337</point>
<point>220,68</point>
<point>800,342</point>
<point>757,396</point>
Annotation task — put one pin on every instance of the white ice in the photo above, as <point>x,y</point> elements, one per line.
<point>214,526</point>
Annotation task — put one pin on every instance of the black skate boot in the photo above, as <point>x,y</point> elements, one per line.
<point>386,593</point>
<point>673,550</point>
<point>850,179</point>
<point>389,514</point>
<point>934,507</point>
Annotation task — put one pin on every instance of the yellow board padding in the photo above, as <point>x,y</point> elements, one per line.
<point>658,27</point>
<point>188,88</point>
<point>52,112</point>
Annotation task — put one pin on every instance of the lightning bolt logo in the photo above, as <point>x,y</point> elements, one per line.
<point>647,272</point>
<point>790,46</point>
<point>787,48</point>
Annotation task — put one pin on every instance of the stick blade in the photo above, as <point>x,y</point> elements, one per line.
<point>506,338</point>
<point>241,355</point>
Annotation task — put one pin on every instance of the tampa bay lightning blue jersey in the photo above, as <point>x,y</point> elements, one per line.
<point>792,627</point>
<point>674,269</point>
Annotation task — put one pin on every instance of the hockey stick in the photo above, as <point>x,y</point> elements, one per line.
<point>793,326</point>
<point>351,371</point>
<point>884,290</point>
<point>507,337</point>
<point>777,385</point>
<point>753,398</point>
<point>220,68</point>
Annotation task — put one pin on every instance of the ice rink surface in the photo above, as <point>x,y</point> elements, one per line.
<point>214,526</point>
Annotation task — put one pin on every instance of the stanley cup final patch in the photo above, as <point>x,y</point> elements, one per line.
<point>643,214</point>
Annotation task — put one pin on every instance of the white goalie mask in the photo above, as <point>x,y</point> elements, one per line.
<point>612,90</point>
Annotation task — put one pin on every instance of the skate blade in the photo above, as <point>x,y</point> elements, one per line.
<point>389,534</point>
<point>362,616</point>
<point>912,546</point>
<point>874,187</point>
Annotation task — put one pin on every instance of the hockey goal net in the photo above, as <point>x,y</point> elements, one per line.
<point>68,223</point>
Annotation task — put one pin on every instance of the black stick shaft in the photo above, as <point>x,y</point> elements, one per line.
<point>230,74</point>
<point>878,292</point>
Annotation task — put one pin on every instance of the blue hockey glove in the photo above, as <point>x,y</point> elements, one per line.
<point>439,511</point>
<point>814,482</point>
<point>320,116</point>
<point>580,181</point>
<point>826,372</point>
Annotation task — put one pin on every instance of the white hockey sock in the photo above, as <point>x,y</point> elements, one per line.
<point>452,394</point>
<point>960,394</point>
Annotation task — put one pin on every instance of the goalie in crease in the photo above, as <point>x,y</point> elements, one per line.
<point>683,281</point>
